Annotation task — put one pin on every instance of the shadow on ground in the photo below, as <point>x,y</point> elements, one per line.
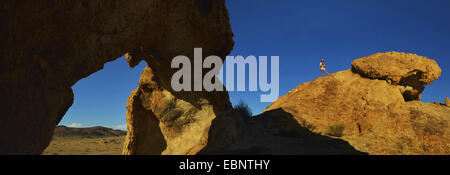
<point>277,132</point>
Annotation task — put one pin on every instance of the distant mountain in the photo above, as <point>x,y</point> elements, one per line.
<point>91,132</point>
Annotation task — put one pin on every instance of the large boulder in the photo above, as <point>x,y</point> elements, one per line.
<point>405,69</point>
<point>47,46</point>
<point>361,107</point>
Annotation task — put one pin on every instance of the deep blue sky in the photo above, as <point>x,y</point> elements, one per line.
<point>300,33</point>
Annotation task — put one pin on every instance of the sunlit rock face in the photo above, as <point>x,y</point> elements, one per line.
<point>376,103</point>
<point>411,71</point>
<point>161,121</point>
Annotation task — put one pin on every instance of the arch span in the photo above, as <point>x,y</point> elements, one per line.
<point>47,46</point>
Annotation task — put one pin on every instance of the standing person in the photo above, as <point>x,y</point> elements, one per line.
<point>322,67</point>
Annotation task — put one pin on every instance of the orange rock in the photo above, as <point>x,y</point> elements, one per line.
<point>376,117</point>
<point>406,69</point>
<point>162,121</point>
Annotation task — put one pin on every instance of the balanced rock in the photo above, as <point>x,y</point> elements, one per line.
<point>370,112</point>
<point>411,71</point>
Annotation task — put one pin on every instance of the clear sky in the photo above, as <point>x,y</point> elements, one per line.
<point>300,32</point>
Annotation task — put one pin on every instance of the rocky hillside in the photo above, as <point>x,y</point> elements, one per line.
<point>96,140</point>
<point>91,132</point>
<point>374,106</point>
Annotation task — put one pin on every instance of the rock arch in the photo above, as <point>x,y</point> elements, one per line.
<point>46,47</point>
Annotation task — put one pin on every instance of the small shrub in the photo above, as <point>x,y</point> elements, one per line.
<point>433,127</point>
<point>307,125</point>
<point>336,130</point>
<point>243,109</point>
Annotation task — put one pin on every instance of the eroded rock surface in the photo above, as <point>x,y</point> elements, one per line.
<point>411,71</point>
<point>47,46</point>
<point>373,112</point>
<point>161,121</point>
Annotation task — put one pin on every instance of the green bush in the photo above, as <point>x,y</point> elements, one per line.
<point>336,130</point>
<point>243,109</point>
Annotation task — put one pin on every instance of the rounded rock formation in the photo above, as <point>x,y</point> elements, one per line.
<point>361,107</point>
<point>405,69</point>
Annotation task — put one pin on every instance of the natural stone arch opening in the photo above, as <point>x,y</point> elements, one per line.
<point>99,104</point>
<point>56,43</point>
<point>102,94</point>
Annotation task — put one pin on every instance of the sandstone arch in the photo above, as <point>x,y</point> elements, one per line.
<point>46,47</point>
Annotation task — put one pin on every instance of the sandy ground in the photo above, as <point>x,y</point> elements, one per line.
<point>85,146</point>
